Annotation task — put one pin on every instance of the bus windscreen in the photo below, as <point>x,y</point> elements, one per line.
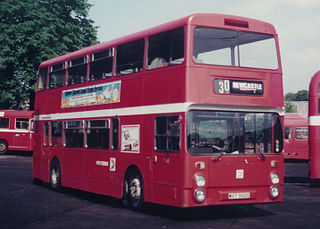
<point>234,48</point>
<point>211,132</point>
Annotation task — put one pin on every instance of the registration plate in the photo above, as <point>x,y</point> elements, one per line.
<point>238,195</point>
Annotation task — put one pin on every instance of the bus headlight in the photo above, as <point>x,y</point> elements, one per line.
<point>274,178</point>
<point>200,180</point>
<point>274,192</point>
<point>200,195</point>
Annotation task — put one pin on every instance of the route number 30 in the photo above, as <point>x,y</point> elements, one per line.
<point>224,87</point>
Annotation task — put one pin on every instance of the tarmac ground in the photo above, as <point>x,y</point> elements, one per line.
<point>24,204</point>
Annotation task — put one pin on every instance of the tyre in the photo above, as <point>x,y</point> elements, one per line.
<point>3,147</point>
<point>135,193</point>
<point>55,175</point>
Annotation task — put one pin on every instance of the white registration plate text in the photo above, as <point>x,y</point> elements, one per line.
<point>238,195</point>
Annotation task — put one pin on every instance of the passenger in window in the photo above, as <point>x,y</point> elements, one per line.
<point>173,128</point>
<point>158,62</point>
<point>198,60</point>
<point>173,134</point>
<point>218,145</point>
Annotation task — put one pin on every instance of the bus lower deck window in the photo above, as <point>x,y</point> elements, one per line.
<point>115,133</point>
<point>56,133</point>
<point>4,123</point>
<point>97,134</point>
<point>73,131</point>
<point>22,123</point>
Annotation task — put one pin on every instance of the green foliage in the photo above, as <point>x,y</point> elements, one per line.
<point>32,31</point>
<point>289,107</point>
<point>301,95</point>
<point>290,96</point>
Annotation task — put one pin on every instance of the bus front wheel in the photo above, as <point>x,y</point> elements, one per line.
<point>135,192</point>
<point>3,147</point>
<point>55,175</point>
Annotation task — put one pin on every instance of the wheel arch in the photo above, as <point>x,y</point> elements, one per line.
<point>54,158</point>
<point>131,169</point>
<point>6,142</point>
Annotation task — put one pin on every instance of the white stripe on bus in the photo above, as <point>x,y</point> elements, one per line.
<point>314,121</point>
<point>152,109</point>
<point>14,131</point>
<point>140,110</point>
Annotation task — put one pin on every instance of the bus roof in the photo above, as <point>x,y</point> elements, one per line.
<point>294,119</point>
<point>16,113</point>
<point>314,85</point>
<point>202,19</point>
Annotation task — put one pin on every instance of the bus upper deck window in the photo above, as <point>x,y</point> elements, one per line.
<point>42,79</point>
<point>165,49</point>
<point>57,75</point>
<point>130,57</point>
<point>101,64</point>
<point>77,70</point>
<point>234,48</point>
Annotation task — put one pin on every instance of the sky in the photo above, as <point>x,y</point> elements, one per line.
<point>297,23</point>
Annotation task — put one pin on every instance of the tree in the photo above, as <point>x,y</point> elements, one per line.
<point>289,107</point>
<point>32,31</point>
<point>301,95</point>
<point>290,96</point>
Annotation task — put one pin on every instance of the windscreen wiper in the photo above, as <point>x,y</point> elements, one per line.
<point>220,151</point>
<point>217,158</point>
<point>261,154</point>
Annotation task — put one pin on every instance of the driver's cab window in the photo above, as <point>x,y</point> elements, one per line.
<point>287,132</point>
<point>167,133</point>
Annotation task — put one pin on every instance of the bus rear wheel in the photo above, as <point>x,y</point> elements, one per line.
<point>135,192</point>
<point>3,147</point>
<point>55,175</point>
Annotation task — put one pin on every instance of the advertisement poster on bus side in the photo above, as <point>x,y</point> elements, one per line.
<point>92,95</point>
<point>130,138</point>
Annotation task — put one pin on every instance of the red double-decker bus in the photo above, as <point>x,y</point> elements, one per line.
<point>296,137</point>
<point>16,130</point>
<point>314,127</point>
<point>184,114</point>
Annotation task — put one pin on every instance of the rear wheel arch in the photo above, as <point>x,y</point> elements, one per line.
<point>133,188</point>
<point>3,146</point>
<point>55,174</point>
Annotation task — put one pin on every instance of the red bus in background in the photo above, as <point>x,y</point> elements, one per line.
<point>314,126</point>
<point>296,137</point>
<point>186,114</point>
<point>16,130</point>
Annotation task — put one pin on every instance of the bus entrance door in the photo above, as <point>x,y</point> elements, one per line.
<point>21,140</point>
<point>166,177</point>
